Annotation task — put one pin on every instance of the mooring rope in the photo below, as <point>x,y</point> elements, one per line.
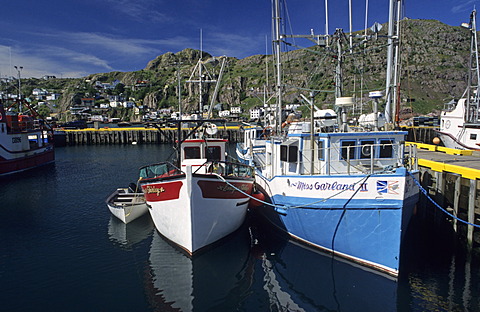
<point>283,208</point>
<point>424,191</point>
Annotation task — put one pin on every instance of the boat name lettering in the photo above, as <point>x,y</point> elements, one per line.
<point>329,186</point>
<point>17,140</point>
<point>228,188</point>
<point>157,190</point>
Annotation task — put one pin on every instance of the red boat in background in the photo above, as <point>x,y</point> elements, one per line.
<point>25,141</point>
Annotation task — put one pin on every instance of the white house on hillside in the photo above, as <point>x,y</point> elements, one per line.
<point>224,113</point>
<point>256,113</point>
<point>236,110</point>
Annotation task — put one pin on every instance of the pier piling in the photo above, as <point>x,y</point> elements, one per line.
<point>92,136</point>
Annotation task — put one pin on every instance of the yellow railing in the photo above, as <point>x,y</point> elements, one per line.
<point>436,148</point>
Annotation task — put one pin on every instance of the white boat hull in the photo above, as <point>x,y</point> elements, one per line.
<point>196,210</point>
<point>127,206</point>
<point>459,143</point>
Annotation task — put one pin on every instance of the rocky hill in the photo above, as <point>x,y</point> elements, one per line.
<point>433,69</point>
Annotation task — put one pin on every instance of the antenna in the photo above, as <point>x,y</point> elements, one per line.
<point>350,17</point>
<point>366,16</point>
<point>326,21</point>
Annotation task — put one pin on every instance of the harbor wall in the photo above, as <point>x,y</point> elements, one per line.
<point>92,136</point>
<point>129,136</point>
<point>457,195</point>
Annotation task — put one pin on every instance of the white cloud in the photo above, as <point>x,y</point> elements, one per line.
<point>45,60</point>
<point>140,10</point>
<point>240,46</point>
<point>463,7</point>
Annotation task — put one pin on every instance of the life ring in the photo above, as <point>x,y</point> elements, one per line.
<point>367,150</point>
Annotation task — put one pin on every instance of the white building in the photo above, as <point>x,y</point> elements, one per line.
<point>38,92</point>
<point>115,104</point>
<point>256,113</point>
<point>224,113</point>
<point>236,110</point>
<point>53,97</point>
<point>128,104</point>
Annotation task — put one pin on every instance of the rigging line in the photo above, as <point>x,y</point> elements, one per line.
<point>330,50</point>
<point>287,14</point>
<point>316,90</point>
<point>239,190</point>
<point>342,215</point>
<point>305,206</point>
<point>424,191</point>
<point>308,89</point>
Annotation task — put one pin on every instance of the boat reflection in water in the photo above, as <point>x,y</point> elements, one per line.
<point>216,279</point>
<point>256,270</point>
<point>298,278</point>
<point>127,235</point>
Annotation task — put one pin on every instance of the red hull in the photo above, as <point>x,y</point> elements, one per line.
<point>25,163</point>
<point>218,189</point>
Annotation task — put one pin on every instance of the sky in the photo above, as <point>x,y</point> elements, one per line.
<point>73,38</point>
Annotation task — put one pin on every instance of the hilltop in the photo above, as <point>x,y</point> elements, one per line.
<point>433,70</point>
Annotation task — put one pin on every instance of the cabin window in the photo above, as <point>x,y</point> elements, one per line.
<point>289,152</point>
<point>367,148</point>
<point>192,152</point>
<point>348,149</point>
<point>213,153</point>
<point>321,150</point>
<point>386,148</point>
<point>473,136</point>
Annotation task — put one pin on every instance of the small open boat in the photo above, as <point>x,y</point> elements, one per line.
<point>127,204</point>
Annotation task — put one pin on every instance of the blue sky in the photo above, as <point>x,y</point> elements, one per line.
<point>73,38</point>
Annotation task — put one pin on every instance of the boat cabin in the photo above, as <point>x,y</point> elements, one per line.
<point>196,152</point>
<point>342,153</point>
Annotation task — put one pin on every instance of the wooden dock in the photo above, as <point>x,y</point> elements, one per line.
<point>452,179</point>
<point>140,135</point>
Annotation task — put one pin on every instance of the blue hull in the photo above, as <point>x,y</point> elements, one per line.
<point>364,231</point>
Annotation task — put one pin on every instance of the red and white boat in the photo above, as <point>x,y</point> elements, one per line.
<point>24,142</point>
<point>200,201</point>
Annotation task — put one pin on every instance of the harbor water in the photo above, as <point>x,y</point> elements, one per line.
<point>61,250</point>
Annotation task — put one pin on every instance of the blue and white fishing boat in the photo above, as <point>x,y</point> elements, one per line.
<point>347,191</point>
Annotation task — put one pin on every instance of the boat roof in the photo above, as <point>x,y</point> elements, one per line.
<point>352,134</point>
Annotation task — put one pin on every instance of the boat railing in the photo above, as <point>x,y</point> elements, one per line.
<point>227,168</point>
<point>449,106</point>
<point>353,160</point>
<point>159,170</point>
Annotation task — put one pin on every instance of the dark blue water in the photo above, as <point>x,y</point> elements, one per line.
<point>61,250</point>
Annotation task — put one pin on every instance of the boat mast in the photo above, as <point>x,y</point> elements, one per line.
<point>217,86</point>
<point>277,49</point>
<point>392,60</point>
<point>473,74</point>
